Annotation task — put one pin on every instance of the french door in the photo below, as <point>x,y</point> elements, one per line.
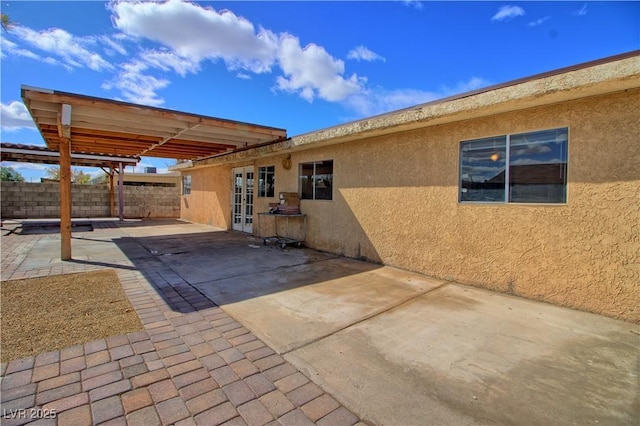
<point>242,203</point>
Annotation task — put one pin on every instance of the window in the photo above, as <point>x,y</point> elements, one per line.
<point>316,180</point>
<point>186,184</point>
<point>536,172</point>
<point>266,181</point>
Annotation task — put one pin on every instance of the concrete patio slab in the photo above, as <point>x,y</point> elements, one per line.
<point>204,256</point>
<point>459,355</point>
<point>291,307</point>
<point>232,258</point>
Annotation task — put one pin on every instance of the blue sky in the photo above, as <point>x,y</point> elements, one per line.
<point>301,66</point>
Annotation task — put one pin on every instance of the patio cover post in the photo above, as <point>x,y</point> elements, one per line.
<point>64,132</point>
<point>65,199</point>
<point>121,192</point>
<point>112,197</point>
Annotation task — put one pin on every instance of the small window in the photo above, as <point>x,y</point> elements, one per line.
<point>186,184</point>
<point>266,181</point>
<point>316,180</point>
<point>521,168</point>
<point>482,168</point>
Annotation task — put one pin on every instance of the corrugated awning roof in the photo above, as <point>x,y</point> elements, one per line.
<point>120,128</point>
<point>43,155</point>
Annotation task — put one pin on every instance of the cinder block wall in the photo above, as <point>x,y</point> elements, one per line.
<point>23,200</point>
<point>150,201</point>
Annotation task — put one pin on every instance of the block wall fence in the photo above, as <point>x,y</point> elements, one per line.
<point>24,200</point>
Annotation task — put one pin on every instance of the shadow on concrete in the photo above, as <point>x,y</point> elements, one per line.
<point>141,223</point>
<point>103,264</point>
<point>51,227</point>
<point>226,266</point>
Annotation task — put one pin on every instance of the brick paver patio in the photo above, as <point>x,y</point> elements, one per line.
<point>192,363</point>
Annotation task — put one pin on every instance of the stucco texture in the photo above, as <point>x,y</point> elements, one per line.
<point>210,199</point>
<point>395,201</point>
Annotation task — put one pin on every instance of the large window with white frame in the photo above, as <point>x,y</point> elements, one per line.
<point>316,180</point>
<point>266,181</point>
<point>520,168</point>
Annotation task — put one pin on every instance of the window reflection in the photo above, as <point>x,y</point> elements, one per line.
<point>537,171</point>
<point>482,169</point>
<point>316,180</point>
<point>538,167</point>
<point>266,181</point>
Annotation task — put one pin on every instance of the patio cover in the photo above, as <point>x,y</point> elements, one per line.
<point>42,155</point>
<point>72,123</point>
<point>119,128</point>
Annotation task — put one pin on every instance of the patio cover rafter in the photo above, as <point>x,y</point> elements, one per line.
<point>121,128</point>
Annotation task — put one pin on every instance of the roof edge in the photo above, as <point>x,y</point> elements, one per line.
<point>546,74</point>
<point>426,114</point>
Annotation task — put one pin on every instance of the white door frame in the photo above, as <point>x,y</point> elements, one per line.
<point>242,191</point>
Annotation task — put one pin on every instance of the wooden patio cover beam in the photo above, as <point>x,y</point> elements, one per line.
<point>111,122</point>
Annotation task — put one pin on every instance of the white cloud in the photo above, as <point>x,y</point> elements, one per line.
<point>71,50</point>
<point>530,161</point>
<point>582,11</point>
<point>27,166</point>
<point>379,101</point>
<point>507,13</point>
<point>191,33</point>
<point>362,53</point>
<point>413,3</point>
<point>185,34</point>
<point>52,61</point>
<point>113,45</point>
<point>11,48</point>
<point>199,33</point>
<point>531,149</point>
<point>473,83</point>
<point>539,21</point>
<point>136,85</point>
<point>15,116</point>
<point>165,60</point>
<point>312,72</point>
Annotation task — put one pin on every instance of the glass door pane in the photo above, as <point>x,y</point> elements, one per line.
<point>248,218</point>
<point>237,201</point>
<point>242,203</point>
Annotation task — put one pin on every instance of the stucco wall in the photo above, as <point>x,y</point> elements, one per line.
<point>395,201</point>
<point>26,200</point>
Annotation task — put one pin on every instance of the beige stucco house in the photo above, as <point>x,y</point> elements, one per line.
<point>531,187</point>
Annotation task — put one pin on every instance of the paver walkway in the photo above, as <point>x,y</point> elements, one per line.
<point>192,364</point>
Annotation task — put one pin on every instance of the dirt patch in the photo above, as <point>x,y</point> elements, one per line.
<point>44,314</point>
